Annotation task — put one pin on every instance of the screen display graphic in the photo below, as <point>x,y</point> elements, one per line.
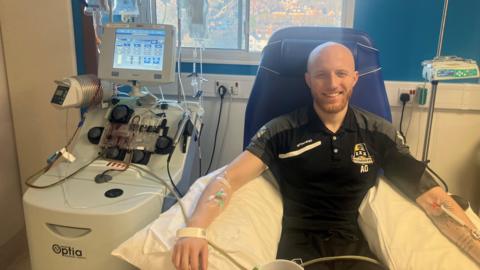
<point>139,49</point>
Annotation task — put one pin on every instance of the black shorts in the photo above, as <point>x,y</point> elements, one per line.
<point>308,245</point>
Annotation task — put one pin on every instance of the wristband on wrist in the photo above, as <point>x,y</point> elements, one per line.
<point>192,232</point>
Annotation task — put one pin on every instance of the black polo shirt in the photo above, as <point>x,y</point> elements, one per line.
<point>323,176</point>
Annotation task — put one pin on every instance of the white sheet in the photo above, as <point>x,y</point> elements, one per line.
<point>248,230</point>
<point>403,237</point>
<point>398,232</point>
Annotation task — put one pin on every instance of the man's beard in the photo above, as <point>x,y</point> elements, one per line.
<point>335,107</point>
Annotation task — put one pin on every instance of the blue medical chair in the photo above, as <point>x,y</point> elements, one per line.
<point>280,87</point>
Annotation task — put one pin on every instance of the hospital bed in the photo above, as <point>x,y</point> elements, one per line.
<point>397,231</point>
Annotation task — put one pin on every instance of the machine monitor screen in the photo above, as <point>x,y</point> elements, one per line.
<point>144,53</point>
<point>139,49</point>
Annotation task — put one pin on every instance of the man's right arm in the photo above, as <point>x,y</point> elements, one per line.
<point>190,251</point>
<point>218,193</point>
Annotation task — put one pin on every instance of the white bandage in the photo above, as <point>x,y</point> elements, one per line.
<point>192,232</point>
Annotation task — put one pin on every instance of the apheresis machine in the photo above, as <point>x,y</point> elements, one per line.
<point>128,154</point>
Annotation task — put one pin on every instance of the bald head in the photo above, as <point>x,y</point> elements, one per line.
<point>328,50</point>
<point>331,77</point>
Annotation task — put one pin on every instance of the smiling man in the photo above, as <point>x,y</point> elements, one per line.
<point>325,157</point>
<point>331,93</point>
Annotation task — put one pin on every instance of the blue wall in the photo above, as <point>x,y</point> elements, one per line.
<point>77,12</point>
<point>406,32</point>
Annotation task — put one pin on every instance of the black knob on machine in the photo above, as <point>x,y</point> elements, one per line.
<point>141,157</point>
<point>113,193</point>
<point>121,114</point>
<point>112,152</point>
<point>163,145</point>
<point>138,156</point>
<point>115,153</point>
<point>94,134</point>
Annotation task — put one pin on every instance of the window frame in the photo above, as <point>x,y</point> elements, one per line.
<point>243,56</point>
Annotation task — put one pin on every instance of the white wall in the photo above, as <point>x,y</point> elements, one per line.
<point>39,48</point>
<point>454,147</point>
<point>10,193</point>
<point>230,133</point>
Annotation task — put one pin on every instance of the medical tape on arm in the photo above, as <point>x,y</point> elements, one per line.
<point>219,196</point>
<point>474,231</point>
<point>466,238</point>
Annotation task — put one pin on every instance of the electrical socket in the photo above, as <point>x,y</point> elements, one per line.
<point>410,91</point>
<point>232,86</point>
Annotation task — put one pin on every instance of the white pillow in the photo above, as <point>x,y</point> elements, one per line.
<point>401,234</point>
<point>248,230</point>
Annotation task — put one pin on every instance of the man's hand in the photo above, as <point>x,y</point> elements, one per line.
<point>432,200</point>
<point>458,231</point>
<point>190,253</point>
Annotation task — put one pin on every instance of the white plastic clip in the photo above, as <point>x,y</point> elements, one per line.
<point>66,155</point>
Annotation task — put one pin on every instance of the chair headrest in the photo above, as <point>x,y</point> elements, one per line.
<point>288,57</point>
<point>280,86</point>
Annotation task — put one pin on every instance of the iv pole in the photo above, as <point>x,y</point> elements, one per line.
<point>179,58</point>
<point>431,107</point>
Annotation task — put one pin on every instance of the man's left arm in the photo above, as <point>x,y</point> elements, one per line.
<point>412,178</point>
<point>451,220</point>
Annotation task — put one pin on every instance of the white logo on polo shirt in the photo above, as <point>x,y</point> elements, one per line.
<point>303,143</point>
<point>301,150</point>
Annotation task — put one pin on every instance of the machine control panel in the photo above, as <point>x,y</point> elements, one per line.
<point>60,94</point>
<point>134,132</point>
<point>450,68</point>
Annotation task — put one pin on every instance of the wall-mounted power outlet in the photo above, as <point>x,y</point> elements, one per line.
<point>411,92</point>
<point>231,85</point>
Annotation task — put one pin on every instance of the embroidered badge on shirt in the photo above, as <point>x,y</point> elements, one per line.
<point>360,154</point>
